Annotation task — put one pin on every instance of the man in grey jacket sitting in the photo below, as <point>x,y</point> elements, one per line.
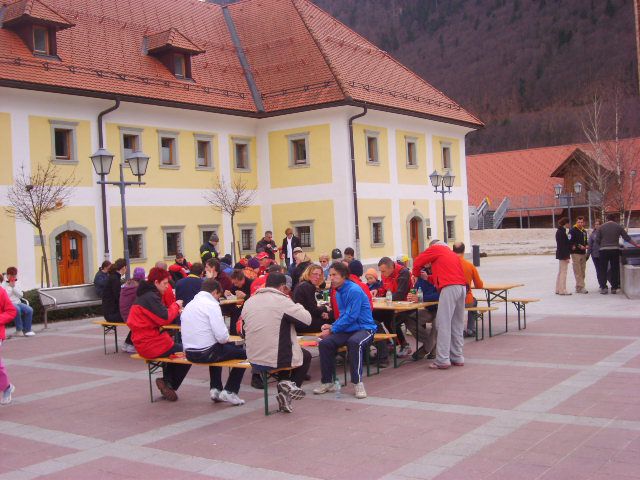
<point>270,318</point>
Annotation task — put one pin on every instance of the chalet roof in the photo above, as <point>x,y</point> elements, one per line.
<point>298,55</point>
<point>35,11</point>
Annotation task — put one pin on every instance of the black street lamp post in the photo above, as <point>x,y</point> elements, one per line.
<point>138,162</point>
<point>442,184</point>
<point>569,196</point>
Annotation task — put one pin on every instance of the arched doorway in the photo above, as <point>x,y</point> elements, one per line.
<point>70,258</point>
<point>416,238</point>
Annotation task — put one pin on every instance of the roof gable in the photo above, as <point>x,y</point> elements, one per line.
<point>34,11</point>
<point>171,39</point>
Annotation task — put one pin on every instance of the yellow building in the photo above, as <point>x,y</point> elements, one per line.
<point>281,115</point>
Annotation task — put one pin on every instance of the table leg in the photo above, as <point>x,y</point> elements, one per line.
<point>417,328</point>
<point>489,305</point>
<point>506,311</point>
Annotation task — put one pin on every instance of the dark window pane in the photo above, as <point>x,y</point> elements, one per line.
<point>173,243</point>
<point>304,234</point>
<point>135,245</point>
<point>246,241</point>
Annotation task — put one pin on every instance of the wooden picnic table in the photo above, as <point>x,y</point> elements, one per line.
<point>500,291</point>
<point>233,301</point>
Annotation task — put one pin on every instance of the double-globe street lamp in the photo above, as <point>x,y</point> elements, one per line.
<point>442,184</point>
<point>569,196</point>
<point>137,162</point>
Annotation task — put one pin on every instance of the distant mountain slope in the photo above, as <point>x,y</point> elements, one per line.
<point>525,67</point>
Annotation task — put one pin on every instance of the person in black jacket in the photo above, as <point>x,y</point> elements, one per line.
<point>289,243</point>
<point>563,255</point>
<point>267,245</point>
<point>208,250</point>
<point>102,275</point>
<point>242,290</point>
<point>579,241</point>
<point>302,262</point>
<point>305,295</point>
<point>190,286</point>
<point>111,292</point>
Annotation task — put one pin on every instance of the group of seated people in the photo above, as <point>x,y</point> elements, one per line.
<point>272,306</point>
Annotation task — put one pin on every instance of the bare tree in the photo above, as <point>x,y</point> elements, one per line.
<point>32,198</point>
<point>230,198</point>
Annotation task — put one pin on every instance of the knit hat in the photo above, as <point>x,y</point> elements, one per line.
<point>371,271</point>
<point>138,273</point>
<point>356,268</point>
<point>253,263</point>
<point>336,254</point>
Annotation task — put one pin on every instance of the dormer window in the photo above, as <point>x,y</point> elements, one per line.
<point>174,50</point>
<point>41,42</point>
<point>37,24</point>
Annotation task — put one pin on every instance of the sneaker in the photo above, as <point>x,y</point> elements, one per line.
<point>324,388</point>
<point>128,348</point>
<point>291,389</point>
<point>404,351</point>
<point>230,397</point>
<point>604,291</point>
<point>360,391</point>
<point>256,381</point>
<point>29,334</point>
<point>284,402</point>
<point>214,393</point>
<point>614,291</point>
<point>6,395</point>
<point>419,354</point>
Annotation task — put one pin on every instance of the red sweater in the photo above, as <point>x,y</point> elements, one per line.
<point>7,312</point>
<point>445,266</point>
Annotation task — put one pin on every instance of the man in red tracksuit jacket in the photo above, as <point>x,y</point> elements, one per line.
<point>448,278</point>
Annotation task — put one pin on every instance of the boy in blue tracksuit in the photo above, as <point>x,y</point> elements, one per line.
<point>354,328</point>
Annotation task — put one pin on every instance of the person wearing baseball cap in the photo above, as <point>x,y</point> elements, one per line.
<point>265,260</point>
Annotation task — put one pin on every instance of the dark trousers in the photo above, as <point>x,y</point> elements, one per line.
<point>596,263</point>
<point>172,373</point>
<point>314,327</point>
<point>296,375</point>
<point>471,316</point>
<point>609,259</point>
<point>219,353</point>
<point>356,342</point>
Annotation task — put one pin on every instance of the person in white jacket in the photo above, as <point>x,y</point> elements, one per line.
<point>24,317</point>
<point>205,339</point>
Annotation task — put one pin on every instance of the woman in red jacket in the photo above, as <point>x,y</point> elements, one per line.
<point>146,316</point>
<point>7,314</point>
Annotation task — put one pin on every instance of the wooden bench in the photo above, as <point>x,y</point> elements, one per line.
<point>153,364</point>
<point>521,306</point>
<point>108,327</point>
<point>480,311</point>
<point>73,296</point>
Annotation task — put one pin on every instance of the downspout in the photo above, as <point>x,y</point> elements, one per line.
<point>103,187</point>
<point>354,183</point>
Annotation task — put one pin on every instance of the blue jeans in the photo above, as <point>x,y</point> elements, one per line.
<point>24,317</point>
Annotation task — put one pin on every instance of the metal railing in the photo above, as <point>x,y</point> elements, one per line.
<point>500,212</point>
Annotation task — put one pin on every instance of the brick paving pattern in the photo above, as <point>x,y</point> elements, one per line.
<point>560,400</point>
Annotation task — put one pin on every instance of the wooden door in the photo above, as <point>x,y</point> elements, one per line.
<point>414,227</point>
<point>70,259</point>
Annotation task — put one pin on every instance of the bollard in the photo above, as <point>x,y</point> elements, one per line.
<point>476,255</point>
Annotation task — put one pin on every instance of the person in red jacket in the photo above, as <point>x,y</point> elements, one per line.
<point>448,278</point>
<point>146,316</point>
<point>7,314</point>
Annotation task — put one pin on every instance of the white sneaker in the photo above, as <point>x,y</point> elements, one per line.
<point>230,397</point>
<point>29,334</point>
<point>6,395</point>
<point>324,388</point>
<point>128,348</point>
<point>214,393</point>
<point>293,390</point>
<point>360,391</point>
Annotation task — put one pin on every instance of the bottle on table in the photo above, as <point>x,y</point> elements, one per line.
<point>389,297</point>
<point>420,295</point>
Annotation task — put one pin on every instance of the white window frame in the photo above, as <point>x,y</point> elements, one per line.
<point>373,220</point>
<point>305,223</point>
<point>142,231</point>
<point>407,141</point>
<point>73,136</point>
<point>290,139</point>
<point>133,132</point>
<point>172,229</point>
<point>373,134</point>
<point>254,229</point>
<point>207,228</point>
<point>451,238</point>
<point>176,145</point>
<point>241,141</point>
<point>198,137</point>
<point>447,145</point>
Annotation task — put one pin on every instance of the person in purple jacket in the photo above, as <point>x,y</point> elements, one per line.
<point>127,297</point>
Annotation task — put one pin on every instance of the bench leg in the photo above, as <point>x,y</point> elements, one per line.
<point>104,338</point>
<point>115,333</point>
<point>45,317</point>
<point>150,371</point>
<point>524,315</point>
<point>265,386</point>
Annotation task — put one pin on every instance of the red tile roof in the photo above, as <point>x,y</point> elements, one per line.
<point>299,56</point>
<point>525,175</point>
<point>171,38</point>
<point>36,11</point>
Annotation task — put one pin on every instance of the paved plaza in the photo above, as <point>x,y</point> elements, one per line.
<point>559,400</point>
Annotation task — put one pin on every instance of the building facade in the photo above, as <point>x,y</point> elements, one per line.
<point>291,146</point>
